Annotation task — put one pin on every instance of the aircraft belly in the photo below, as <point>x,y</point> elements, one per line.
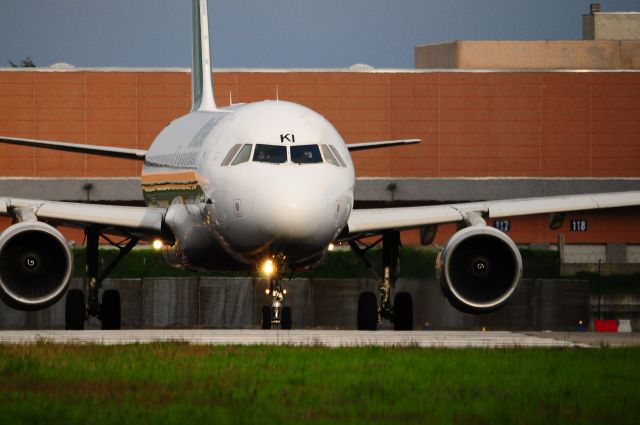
<point>208,256</point>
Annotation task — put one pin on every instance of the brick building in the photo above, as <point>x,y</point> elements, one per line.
<point>486,134</point>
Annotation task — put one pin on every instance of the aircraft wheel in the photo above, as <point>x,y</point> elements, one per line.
<point>403,312</point>
<point>74,312</point>
<point>110,310</point>
<point>367,312</point>
<point>266,317</point>
<point>285,320</point>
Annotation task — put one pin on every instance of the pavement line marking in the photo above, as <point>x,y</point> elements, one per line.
<point>434,339</point>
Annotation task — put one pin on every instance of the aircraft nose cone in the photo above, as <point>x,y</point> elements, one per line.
<point>291,208</point>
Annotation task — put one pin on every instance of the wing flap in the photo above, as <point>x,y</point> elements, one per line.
<point>115,152</point>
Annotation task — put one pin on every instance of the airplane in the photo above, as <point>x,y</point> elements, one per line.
<point>265,186</point>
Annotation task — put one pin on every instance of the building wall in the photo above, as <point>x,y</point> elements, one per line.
<point>531,55</point>
<point>473,124</point>
<point>532,124</point>
<point>611,26</point>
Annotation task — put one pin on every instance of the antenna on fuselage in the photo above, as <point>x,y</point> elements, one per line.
<point>201,81</point>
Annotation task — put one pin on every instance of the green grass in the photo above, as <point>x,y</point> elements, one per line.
<point>179,383</point>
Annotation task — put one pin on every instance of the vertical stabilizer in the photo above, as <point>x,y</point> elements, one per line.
<point>201,84</point>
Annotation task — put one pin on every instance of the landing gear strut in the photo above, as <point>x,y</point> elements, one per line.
<point>77,309</point>
<point>277,314</point>
<point>400,313</point>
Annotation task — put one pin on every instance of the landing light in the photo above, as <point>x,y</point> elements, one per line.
<point>157,244</point>
<point>331,247</point>
<point>268,267</point>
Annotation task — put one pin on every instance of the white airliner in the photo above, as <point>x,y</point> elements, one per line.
<point>260,186</point>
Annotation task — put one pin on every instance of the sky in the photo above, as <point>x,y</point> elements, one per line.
<point>273,33</point>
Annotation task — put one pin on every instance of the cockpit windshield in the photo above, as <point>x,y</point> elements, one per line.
<point>305,154</point>
<point>270,153</point>
<point>279,154</point>
<point>243,156</point>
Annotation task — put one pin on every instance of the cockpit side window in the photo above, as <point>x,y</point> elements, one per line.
<point>305,154</point>
<point>328,156</point>
<point>337,155</point>
<point>270,153</point>
<point>243,155</point>
<point>232,152</point>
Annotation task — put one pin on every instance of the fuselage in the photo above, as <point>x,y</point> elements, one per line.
<point>271,178</point>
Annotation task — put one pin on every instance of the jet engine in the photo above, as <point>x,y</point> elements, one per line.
<point>479,268</point>
<point>35,265</point>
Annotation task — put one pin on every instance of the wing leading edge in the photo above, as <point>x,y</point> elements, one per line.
<point>378,219</point>
<point>115,152</point>
<point>382,144</point>
<point>145,222</point>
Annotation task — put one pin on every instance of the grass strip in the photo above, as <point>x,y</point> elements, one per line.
<point>171,383</point>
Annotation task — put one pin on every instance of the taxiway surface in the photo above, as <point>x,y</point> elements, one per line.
<point>436,339</point>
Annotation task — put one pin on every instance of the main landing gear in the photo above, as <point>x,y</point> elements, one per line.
<point>277,314</point>
<point>400,313</point>
<point>77,308</point>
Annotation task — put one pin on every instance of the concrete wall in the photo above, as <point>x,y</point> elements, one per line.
<point>437,56</point>
<point>368,189</point>
<point>531,55</point>
<point>316,303</point>
<point>611,26</point>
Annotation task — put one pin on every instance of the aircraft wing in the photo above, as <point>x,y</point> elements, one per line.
<point>382,144</point>
<point>378,219</point>
<point>143,222</point>
<point>127,153</point>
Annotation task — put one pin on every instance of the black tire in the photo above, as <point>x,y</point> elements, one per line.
<point>110,310</point>
<point>403,312</point>
<point>367,312</point>
<point>74,310</point>
<point>285,320</point>
<point>266,317</point>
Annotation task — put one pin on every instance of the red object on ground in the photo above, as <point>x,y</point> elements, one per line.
<point>606,325</point>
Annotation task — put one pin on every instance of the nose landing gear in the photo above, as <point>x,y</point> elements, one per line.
<point>276,315</point>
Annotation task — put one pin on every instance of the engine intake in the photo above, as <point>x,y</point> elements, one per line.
<point>35,265</point>
<point>479,269</point>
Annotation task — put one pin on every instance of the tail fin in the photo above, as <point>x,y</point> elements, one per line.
<point>201,84</point>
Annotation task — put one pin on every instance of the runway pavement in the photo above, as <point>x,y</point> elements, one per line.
<point>435,339</point>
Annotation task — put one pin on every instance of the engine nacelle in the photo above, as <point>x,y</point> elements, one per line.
<point>479,268</point>
<point>35,265</point>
